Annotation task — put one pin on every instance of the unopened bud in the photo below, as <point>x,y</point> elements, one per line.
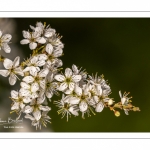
<point>117,113</point>
<point>110,102</point>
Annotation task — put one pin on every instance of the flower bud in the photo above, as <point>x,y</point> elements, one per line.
<point>110,102</point>
<point>117,113</point>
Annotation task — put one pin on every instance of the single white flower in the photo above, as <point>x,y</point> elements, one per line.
<point>4,41</point>
<point>12,69</point>
<point>68,80</point>
<point>29,90</point>
<point>38,78</point>
<point>42,121</point>
<point>36,108</point>
<point>46,32</point>
<point>66,108</point>
<point>18,101</point>
<point>125,100</point>
<point>52,54</point>
<point>55,42</point>
<point>33,65</point>
<point>32,39</point>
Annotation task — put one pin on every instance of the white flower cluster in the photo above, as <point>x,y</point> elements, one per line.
<point>42,79</point>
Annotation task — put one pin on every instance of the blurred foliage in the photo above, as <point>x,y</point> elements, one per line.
<point>119,48</point>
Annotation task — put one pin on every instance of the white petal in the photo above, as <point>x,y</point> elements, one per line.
<point>75,69</point>
<point>26,69</point>
<point>71,86</point>
<point>49,94</point>
<point>76,78</point>
<point>99,107</point>
<point>41,40</point>
<point>33,45</point>
<point>25,85</point>
<point>22,105</point>
<point>44,108</point>
<point>83,106</point>
<point>16,62</point>
<point>14,94</point>
<point>120,94</point>
<point>19,71</point>
<point>78,90</point>
<point>42,57</point>
<point>40,63</point>
<point>74,100</point>
<point>48,34</point>
<point>28,109</point>
<point>123,100</point>
<point>49,49</point>
<point>6,48</point>
<point>68,72</point>
<point>43,73</point>
<point>40,100</point>
<point>15,106</point>
<point>57,53</point>
<point>29,117</point>
<point>60,78</point>
<point>33,71</point>
<point>34,60</point>
<point>12,79</point>
<point>34,87</point>
<point>37,114</point>
<point>6,38</point>
<point>68,92</point>
<point>26,100</point>
<point>4,73</point>
<point>28,79</point>
<point>7,63</point>
<point>99,90</point>
<point>126,111</point>
<point>24,92</point>
<point>40,24</point>
<point>34,95</point>
<point>74,112</point>
<point>24,41</point>
<point>96,99</point>
<point>62,86</point>
<point>42,84</point>
<point>36,34</point>
<point>26,34</point>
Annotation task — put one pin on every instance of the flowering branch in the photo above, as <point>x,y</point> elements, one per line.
<point>42,79</point>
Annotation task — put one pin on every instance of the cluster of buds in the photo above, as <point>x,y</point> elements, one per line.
<point>42,79</point>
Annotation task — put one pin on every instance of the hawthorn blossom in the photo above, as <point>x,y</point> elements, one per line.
<point>52,53</point>
<point>35,108</point>
<point>66,107</point>
<point>4,41</point>
<point>12,69</point>
<point>46,32</point>
<point>32,39</point>
<point>33,65</point>
<point>42,121</point>
<point>38,78</point>
<point>68,80</point>
<point>29,90</point>
<point>125,100</point>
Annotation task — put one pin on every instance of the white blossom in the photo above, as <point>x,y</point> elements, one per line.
<point>32,39</point>
<point>68,80</point>
<point>13,69</point>
<point>4,41</point>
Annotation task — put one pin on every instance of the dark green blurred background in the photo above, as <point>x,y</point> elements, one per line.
<point>119,48</point>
